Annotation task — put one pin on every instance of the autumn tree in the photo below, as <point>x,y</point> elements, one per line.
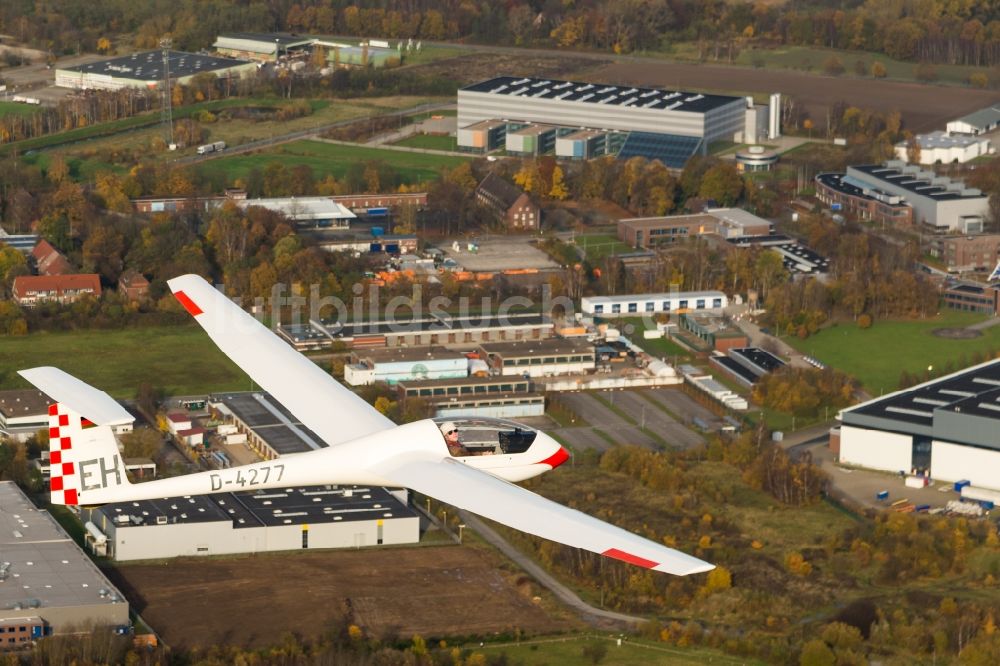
<point>722,183</point>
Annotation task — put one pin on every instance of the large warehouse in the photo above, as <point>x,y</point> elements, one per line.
<point>47,584</point>
<point>660,124</point>
<point>145,70</point>
<point>254,522</point>
<point>946,427</point>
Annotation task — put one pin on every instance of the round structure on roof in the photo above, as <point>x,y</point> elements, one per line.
<point>755,158</point>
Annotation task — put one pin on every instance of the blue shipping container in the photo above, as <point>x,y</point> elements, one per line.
<point>961,484</point>
<point>377,231</point>
<point>882,495</point>
<point>378,212</point>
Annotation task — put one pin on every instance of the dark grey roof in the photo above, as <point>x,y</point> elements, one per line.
<point>291,506</point>
<point>506,193</point>
<point>759,358</point>
<point>431,324</point>
<point>983,118</point>
<point>963,407</point>
<point>148,65</point>
<point>936,189</point>
<point>596,93</point>
<point>271,421</point>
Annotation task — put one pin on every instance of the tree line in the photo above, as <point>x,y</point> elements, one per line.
<point>939,31</point>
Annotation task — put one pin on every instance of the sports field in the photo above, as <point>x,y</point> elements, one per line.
<point>334,159</point>
<point>877,356</point>
<point>177,359</point>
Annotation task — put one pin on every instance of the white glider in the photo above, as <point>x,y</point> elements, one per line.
<point>364,446</point>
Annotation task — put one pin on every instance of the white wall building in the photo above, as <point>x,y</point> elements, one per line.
<point>946,427</point>
<point>945,148</point>
<point>977,122</point>
<point>638,304</point>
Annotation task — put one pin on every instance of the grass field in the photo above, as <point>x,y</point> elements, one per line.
<point>430,142</point>
<point>877,356</point>
<point>179,360</point>
<point>656,346</point>
<point>569,651</point>
<point>334,159</point>
<point>16,109</point>
<point>598,246</point>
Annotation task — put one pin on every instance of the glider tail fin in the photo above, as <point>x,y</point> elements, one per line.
<point>85,466</point>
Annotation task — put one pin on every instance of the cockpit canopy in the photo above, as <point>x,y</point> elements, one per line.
<point>481,435</point>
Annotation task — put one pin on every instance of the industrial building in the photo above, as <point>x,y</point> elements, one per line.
<point>944,148</point>
<point>361,241</point>
<point>252,522</point>
<point>47,584</point>
<point>306,211</point>
<point>667,125</point>
<point>390,365</point>
<point>977,122</point>
<point>445,329</point>
<point>539,358</point>
<point>145,70</point>
<point>945,427</point>
<point>649,232</point>
<point>23,412</point>
<point>503,397</point>
<point>653,303</point>
<point>712,332</point>
<point>861,201</point>
<point>271,429</point>
<point>703,381</point>
<point>24,243</point>
<point>939,203</point>
<point>795,257</point>
<point>264,47</point>
<point>748,364</point>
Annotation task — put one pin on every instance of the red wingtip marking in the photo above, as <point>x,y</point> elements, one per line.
<point>628,557</point>
<point>53,409</point>
<point>556,459</point>
<point>86,423</point>
<point>188,304</point>
<point>70,497</point>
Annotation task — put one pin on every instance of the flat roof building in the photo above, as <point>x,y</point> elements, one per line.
<point>667,125</point>
<point>266,47</point>
<point>271,429</point>
<point>637,304</point>
<point>495,397</point>
<point>539,358</point>
<point>973,297</point>
<point>47,584</point>
<point>646,232</point>
<point>862,201</point>
<point>945,148</point>
<point>961,254</point>
<point>939,203</point>
<point>255,521</point>
<point>23,412</point>
<point>945,427</point>
<point>306,211</point>
<point>390,365</point>
<point>145,70</point>
<point>422,330</point>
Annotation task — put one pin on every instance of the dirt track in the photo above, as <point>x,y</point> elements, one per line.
<point>924,107</point>
<point>254,600</point>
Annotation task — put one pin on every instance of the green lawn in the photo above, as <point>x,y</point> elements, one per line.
<point>656,346</point>
<point>335,159</point>
<point>178,359</point>
<point>17,109</point>
<point>877,356</point>
<point>598,246</point>
<point>430,142</point>
<point>569,651</point>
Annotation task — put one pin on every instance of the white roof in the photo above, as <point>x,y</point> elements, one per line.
<point>303,208</point>
<point>653,297</point>
<point>939,139</point>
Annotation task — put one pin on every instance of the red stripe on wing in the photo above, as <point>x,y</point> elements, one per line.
<point>556,459</point>
<point>188,304</point>
<point>630,558</point>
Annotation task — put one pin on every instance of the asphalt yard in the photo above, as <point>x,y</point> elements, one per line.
<point>682,406</point>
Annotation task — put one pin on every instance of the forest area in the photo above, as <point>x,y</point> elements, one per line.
<point>966,32</point>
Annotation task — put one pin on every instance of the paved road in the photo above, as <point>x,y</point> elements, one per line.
<point>596,616</point>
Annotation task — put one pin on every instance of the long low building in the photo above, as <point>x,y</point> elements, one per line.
<point>862,201</point>
<point>23,412</point>
<point>945,427</point>
<point>399,363</point>
<point>47,584</point>
<point>627,304</point>
<point>146,70</point>
<point>255,522</point>
<point>649,232</point>
<point>944,148</point>
<point>539,358</point>
<point>502,397</point>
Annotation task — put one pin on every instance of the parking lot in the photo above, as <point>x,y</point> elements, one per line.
<point>683,407</point>
<point>649,415</point>
<point>497,254</point>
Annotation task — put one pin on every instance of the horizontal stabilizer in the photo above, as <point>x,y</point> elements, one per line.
<point>94,405</point>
